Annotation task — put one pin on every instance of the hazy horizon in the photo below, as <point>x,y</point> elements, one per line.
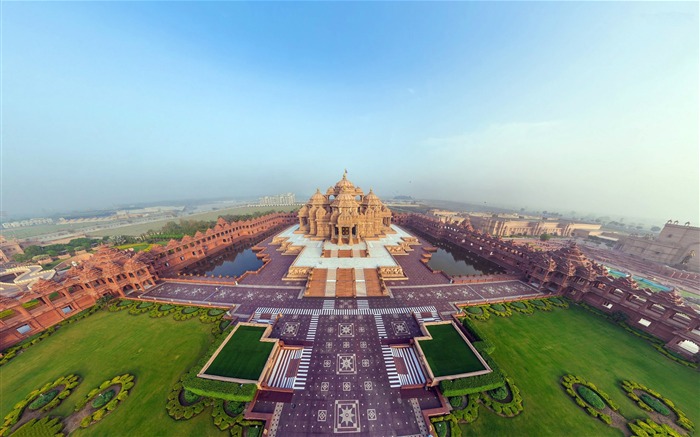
<point>589,107</point>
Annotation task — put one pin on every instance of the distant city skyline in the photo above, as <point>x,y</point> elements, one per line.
<point>589,107</point>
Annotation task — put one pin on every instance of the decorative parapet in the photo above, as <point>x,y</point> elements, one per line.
<point>296,273</point>
<point>391,272</point>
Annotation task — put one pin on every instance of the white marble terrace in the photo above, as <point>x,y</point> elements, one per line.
<point>311,255</point>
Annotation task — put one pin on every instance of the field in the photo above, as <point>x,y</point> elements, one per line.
<point>142,228</point>
<point>107,344</point>
<point>447,353</point>
<point>133,230</point>
<point>243,356</point>
<point>537,350</point>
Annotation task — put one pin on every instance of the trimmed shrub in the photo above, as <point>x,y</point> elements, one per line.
<point>43,399</point>
<point>500,310</point>
<point>647,397</point>
<point>655,404</point>
<point>102,399</point>
<point>590,397</point>
<point>522,307</point>
<point>495,400</point>
<point>587,396</point>
<point>501,393</point>
<point>441,429</point>
<point>219,389</point>
<point>44,427</point>
<point>647,428</point>
<point>456,401</point>
<point>105,401</point>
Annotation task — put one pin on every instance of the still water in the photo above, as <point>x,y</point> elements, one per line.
<point>230,263</point>
<point>455,261</point>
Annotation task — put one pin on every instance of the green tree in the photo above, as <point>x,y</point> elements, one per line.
<point>545,237</point>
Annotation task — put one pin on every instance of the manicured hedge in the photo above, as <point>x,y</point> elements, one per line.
<point>501,393</point>
<point>177,410</point>
<point>125,383</point>
<point>44,427</point>
<point>647,428</point>
<point>569,381</point>
<point>478,383</point>
<point>102,399</point>
<point>456,401</point>
<point>655,404</point>
<point>186,313</point>
<point>219,389</point>
<point>522,307</point>
<point>655,397</point>
<point>507,409</point>
<point>69,382</point>
<point>43,399</point>
<point>590,397</point>
<point>500,310</point>
<point>478,312</point>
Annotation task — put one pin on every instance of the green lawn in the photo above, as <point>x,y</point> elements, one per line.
<point>243,356</point>
<point>537,350</point>
<point>447,353</point>
<point>107,344</point>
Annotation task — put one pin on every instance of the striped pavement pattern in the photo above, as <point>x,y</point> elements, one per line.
<point>381,330</point>
<point>362,304</point>
<point>313,325</point>
<point>303,370</point>
<point>278,376</point>
<point>341,312</point>
<point>415,373</point>
<point>434,317</point>
<point>328,304</point>
<point>394,380</point>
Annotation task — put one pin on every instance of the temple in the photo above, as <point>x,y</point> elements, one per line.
<point>345,214</point>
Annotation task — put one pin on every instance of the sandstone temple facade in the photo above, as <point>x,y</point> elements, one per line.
<point>112,272</point>
<point>567,271</point>
<point>344,214</point>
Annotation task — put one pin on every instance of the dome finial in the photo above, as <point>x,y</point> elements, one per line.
<point>345,175</point>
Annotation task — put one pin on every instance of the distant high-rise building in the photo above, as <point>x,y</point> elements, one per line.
<point>278,200</point>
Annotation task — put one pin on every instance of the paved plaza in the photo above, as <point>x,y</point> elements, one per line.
<point>346,365</point>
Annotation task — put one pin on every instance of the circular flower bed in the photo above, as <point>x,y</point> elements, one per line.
<point>558,302</point>
<point>652,401</point>
<point>542,304</point>
<point>140,308</point>
<point>500,309</point>
<point>589,397</point>
<point>162,310</point>
<point>522,307</point>
<point>120,305</point>
<point>211,316</point>
<point>183,404</point>
<point>102,400</point>
<point>62,386</point>
<point>477,312</point>
<point>505,401</point>
<point>186,313</point>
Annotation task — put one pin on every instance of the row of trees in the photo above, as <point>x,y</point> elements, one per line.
<point>53,250</point>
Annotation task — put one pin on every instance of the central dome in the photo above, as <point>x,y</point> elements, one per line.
<point>345,214</point>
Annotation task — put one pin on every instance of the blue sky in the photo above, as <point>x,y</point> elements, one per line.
<point>558,106</point>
